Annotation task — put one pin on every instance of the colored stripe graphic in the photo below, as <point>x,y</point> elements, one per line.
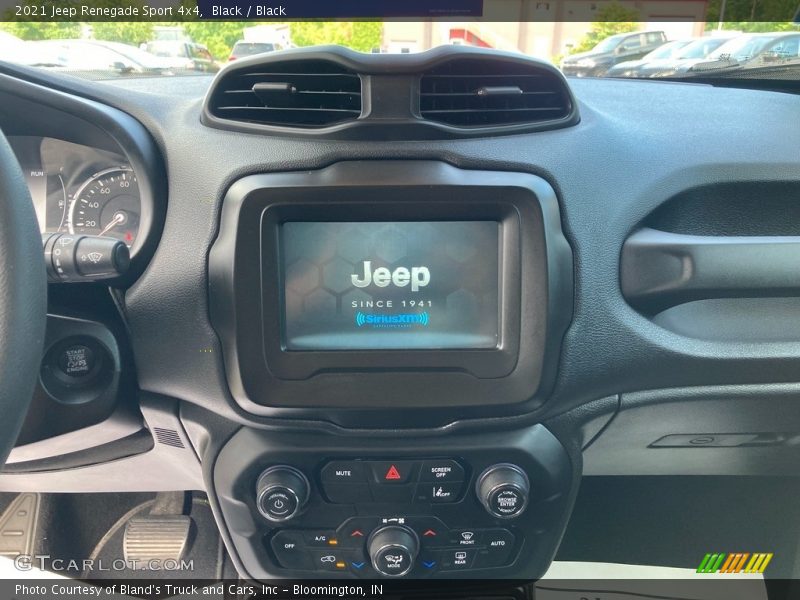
<point>732,558</point>
<point>704,564</point>
<point>711,562</point>
<point>761,562</point>
<point>753,559</point>
<point>735,562</point>
<point>737,567</point>
<point>717,564</point>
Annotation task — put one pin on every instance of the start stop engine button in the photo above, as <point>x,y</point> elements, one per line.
<point>77,360</point>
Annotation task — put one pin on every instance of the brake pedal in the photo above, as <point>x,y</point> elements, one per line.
<point>18,525</point>
<point>159,536</point>
<point>156,537</point>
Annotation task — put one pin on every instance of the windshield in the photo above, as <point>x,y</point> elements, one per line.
<point>111,49</point>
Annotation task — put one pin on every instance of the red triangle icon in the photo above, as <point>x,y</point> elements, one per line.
<point>392,473</point>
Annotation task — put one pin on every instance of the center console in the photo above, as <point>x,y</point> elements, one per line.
<point>391,296</point>
<point>483,506</point>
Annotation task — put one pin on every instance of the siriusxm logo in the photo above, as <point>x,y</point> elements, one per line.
<point>400,321</point>
<point>417,277</point>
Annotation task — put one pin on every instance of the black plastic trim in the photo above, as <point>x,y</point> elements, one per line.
<point>442,388</point>
<point>132,445</point>
<point>377,72</point>
<point>660,269</point>
<point>551,468</point>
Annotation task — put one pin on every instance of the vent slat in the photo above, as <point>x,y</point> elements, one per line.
<point>319,93</point>
<point>168,437</point>
<point>450,93</point>
<point>343,75</point>
<point>472,94</point>
<point>291,108</point>
<point>484,76</point>
<point>301,92</point>
<point>491,110</point>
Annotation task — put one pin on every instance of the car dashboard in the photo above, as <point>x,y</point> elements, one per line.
<point>390,336</point>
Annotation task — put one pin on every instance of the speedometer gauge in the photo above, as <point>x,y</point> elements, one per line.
<point>108,204</point>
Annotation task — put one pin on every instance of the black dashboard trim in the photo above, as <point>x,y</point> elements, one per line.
<point>386,80</point>
<point>547,279</point>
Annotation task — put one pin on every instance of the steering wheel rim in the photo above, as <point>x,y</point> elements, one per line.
<point>23,298</point>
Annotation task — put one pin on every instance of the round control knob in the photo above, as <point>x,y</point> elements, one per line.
<point>281,492</point>
<point>393,550</point>
<point>503,490</point>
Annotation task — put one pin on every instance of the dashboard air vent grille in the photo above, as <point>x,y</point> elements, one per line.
<point>471,92</point>
<point>168,437</point>
<point>297,93</point>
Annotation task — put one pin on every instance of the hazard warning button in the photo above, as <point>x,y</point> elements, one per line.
<point>399,471</point>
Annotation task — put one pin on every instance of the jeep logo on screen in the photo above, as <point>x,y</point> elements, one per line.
<point>418,277</point>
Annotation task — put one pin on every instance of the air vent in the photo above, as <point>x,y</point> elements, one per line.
<point>296,93</point>
<point>470,92</point>
<point>168,437</point>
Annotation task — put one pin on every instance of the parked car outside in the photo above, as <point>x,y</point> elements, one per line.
<point>22,52</point>
<point>242,49</point>
<point>699,49</point>
<point>746,51</point>
<point>184,55</point>
<point>666,52</point>
<point>611,51</point>
<point>97,56</point>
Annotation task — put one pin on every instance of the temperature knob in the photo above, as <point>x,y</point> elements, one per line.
<point>281,492</point>
<point>503,490</point>
<point>393,550</point>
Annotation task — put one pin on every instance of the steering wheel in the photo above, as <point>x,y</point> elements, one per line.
<point>23,298</point>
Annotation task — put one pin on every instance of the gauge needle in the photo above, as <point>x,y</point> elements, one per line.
<point>118,218</point>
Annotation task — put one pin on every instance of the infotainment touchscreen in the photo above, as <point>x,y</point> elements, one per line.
<point>384,286</point>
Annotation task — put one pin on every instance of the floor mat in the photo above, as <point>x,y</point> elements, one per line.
<point>205,559</point>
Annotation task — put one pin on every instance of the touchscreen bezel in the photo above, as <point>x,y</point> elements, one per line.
<point>390,388</point>
<point>394,206</point>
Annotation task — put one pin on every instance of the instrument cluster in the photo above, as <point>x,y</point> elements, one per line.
<point>80,190</point>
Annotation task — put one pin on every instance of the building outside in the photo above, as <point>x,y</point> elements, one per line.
<point>541,29</point>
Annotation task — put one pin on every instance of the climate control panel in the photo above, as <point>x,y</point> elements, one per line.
<point>483,506</point>
<point>395,546</point>
<point>398,545</point>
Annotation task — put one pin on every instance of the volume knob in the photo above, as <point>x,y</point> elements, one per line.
<point>281,492</point>
<point>503,490</point>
